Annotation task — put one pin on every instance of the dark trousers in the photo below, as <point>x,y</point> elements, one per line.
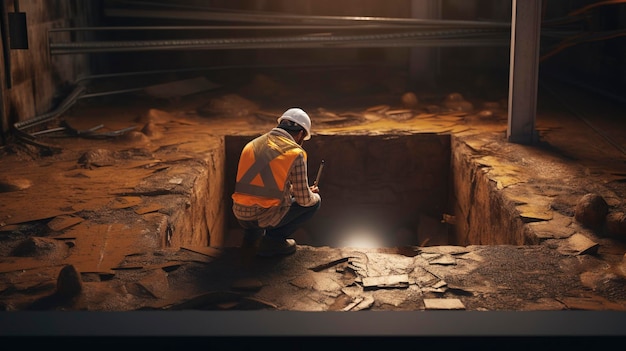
<point>293,219</point>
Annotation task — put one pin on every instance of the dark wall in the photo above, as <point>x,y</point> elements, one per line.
<point>33,82</point>
<point>581,40</point>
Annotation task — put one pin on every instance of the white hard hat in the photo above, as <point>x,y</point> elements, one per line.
<point>299,117</point>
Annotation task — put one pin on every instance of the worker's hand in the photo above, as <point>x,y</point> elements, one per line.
<point>314,188</point>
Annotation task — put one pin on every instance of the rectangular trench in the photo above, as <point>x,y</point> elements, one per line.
<point>384,191</point>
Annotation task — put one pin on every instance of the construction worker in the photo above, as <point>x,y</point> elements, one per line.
<point>272,195</point>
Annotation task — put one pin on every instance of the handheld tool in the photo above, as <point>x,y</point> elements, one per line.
<point>319,174</point>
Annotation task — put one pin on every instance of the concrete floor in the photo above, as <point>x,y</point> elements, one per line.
<point>572,267</point>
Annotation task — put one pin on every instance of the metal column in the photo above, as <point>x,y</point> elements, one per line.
<point>523,71</point>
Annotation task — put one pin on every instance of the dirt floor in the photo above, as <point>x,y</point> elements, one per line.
<point>81,228</point>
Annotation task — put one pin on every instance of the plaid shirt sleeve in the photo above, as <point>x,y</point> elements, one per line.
<point>300,184</point>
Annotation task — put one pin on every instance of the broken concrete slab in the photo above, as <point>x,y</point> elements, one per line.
<point>60,223</point>
<point>578,244</point>
<point>204,250</point>
<point>155,283</point>
<point>390,281</point>
<point>443,304</point>
<point>444,260</point>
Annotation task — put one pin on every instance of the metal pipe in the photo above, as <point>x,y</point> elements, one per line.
<point>406,39</point>
<point>64,106</point>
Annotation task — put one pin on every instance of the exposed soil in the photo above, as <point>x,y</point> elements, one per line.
<point>67,180</point>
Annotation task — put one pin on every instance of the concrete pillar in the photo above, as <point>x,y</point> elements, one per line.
<point>523,70</point>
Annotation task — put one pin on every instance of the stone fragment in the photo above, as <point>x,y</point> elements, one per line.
<point>388,281</point>
<point>150,130</point>
<point>556,228</point>
<point>410,100</point>
<point>8,184</point>
<point>97,158</point>
<point>40,247</point>
<point>443,304</point>
<point>364,303</point>
<point>456,102</point>
<point>578,244</point>
<point>69,282</point>
<point>156,116</point>
<point>445,260</point>
<point>63,222</point>
<point>155,283</point>
<point>591,211</point>
<point>136,137</point>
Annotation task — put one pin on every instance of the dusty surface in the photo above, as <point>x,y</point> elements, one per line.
<point>88,205</point>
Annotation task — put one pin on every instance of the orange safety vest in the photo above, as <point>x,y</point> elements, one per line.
<point>263,169</point>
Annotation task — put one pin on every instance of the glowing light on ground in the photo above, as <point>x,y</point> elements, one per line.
<point>361,238</point>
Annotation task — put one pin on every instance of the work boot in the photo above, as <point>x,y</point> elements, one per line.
<point>276,247</point>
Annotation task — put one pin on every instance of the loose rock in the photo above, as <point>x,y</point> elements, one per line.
<point>591,211</point>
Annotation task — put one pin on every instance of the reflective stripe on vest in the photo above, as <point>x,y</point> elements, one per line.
<point>263,170</point>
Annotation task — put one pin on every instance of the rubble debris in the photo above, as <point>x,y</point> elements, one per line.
<point>136,136</point>
<point>578,244</point>
<point>443,304</point>
<point>155,116</point>
<point>591,211</point>
<point>342,302</point>
<point>122,202</point>
<point>444,259</point>
<point>40,247</point>
<point>378,108</point>
<point>360,303</point>
<point>155,284</point>
<point>400,115</point>
<point>389,281</point>
<point>372,116</point>
<point>8,184</point>
<point>204,250</point>
<point>69,282</point>
<point>60,223</point>
<point>150,130</point>
<point>456,102</point>
<point>97,158</point>
<point>332,263</point>
<point>410,100</point>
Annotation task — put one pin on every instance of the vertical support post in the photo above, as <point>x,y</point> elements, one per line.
<point>523,70</point>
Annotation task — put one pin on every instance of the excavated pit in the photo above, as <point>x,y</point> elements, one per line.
<point>393,190</point>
